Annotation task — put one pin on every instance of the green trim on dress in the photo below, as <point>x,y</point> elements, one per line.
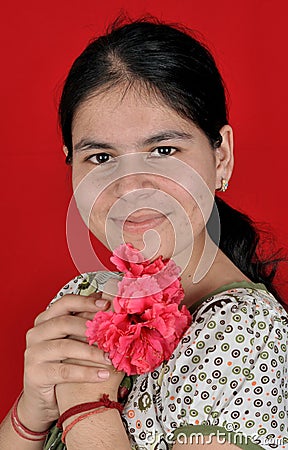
<point>236,284</point>
<point>226,287</point>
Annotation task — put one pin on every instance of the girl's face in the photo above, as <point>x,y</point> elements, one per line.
<point>138,165</point>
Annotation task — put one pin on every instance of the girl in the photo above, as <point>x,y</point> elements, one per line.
<point>145,130</point>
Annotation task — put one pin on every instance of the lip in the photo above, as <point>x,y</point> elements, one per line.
<point>140,223</point>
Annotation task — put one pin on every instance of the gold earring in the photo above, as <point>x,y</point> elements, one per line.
<point>224,185</point>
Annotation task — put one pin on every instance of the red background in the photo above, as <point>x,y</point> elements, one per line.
<point>39,42</point>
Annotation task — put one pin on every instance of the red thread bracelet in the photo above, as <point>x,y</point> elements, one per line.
<point>23,431</point>
<point>104,401</point>
<point>79,419</point>
<point>23,436</point>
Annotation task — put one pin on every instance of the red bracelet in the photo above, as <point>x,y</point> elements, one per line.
<point>79,418</point>
<point>21,430</point>
<point>104,401</point>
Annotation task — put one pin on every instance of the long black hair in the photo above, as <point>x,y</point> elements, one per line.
<point>172,63</point>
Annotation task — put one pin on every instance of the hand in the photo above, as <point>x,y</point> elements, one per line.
<point>71,394</point>
<point>74,393</point>
<point>49,346</point>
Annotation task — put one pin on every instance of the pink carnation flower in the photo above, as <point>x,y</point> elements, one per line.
<point>136,295</point>
<point>146,325</point>
<point>128,259</point>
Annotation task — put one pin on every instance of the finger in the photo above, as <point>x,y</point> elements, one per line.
<point>55,373</point>
<point>86,315</point>
<point>61,349</point>
<point>71,303</point>
<point>56,328</point>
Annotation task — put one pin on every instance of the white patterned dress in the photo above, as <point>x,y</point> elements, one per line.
<point>227,377</point>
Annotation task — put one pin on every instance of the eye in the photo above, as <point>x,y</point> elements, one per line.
<point>163,151</point>
<point>99,158</point>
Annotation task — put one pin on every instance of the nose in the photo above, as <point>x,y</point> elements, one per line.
<point>130,183</point>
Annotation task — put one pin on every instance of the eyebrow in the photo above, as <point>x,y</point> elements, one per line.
<point>86,144</point>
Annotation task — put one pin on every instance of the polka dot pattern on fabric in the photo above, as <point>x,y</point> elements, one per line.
<point>236,355</point>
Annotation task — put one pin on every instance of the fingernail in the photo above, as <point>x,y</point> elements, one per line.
<point>103,374</point>
<point>101,303</point>
<point>106,356</point>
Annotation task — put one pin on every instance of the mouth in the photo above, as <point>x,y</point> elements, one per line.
<point>139,223</point>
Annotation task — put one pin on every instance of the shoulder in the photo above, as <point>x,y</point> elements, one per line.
<point>86,283</point>
<point>240,308</point>
<point>234,325</point>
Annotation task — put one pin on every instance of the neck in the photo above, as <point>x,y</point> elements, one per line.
<point>207,269</point>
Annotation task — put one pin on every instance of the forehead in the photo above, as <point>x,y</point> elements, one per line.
<point>122,111</point>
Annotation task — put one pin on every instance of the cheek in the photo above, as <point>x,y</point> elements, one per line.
<point>199,190</point>
<point>90,193</point>
<point>100,211</point>
<point>195,210</point>
<point>203,169</point>
<point>76,179</point>
<point>78,174</point>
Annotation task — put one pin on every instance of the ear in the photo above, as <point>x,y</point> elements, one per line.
<point>66,152</point>
<point>224,156</point>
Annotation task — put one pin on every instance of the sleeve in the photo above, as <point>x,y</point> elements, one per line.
<point>228,378</point>
<point>85,284</point>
